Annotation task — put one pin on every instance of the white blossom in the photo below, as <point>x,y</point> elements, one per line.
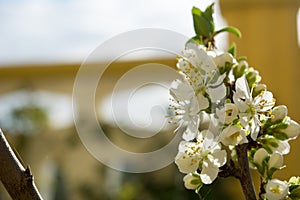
<point>251,108</point>
<point>185,106</point>
<point>205,154</point>
<point>202,73</point>
<point>276,189</point>
<point>233,135</point>
<point>198,56</point>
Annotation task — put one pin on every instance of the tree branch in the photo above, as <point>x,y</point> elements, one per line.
<point>245,176</point>
<point>17,180</point>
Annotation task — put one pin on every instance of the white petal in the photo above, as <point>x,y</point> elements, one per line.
<point>292,130</point>
<point>217,94</point>
<point>228,113</point>
<point>209,172</point>
<point>242,88</point>
<point>206,62</point>
<point>242,105</point>
<point>219,158</point>
<point>259,156</point>
<point>209,142</point>
<point>182,146</point>
<point>202,102</point>
<point>193,108</point>
<point>189,134</point>
<point>283,147</point>
<point>276,161</point>
<point>220,60</point>
<point>181,90</point>
<point>279,112</point>
<point>204,120</point>
<point>185,163</point>
<point>255,127</point>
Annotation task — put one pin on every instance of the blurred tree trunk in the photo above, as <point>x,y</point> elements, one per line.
<point>17,180</point>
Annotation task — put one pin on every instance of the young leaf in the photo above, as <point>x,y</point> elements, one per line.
<point>195,40</point>
<point>201,26</point>
<point>230,29</point>
<point>208,13</point>
<point>232,49</point>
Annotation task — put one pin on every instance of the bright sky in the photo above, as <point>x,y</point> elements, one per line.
<point>68,30</point>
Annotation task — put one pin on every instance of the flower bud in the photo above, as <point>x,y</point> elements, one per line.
<point>192,181</point>
<point>221,59</point>
<point>253,76</point>
<point>294,180</point>
<point>293,129</point>
<point>257,89</point>
<point>276,189</point>
<point>233,135</point>
<point>279,113</point>
<point>259,156</point>
<point>294,184</point>
<point>276,161</point>
<point>240,69</point>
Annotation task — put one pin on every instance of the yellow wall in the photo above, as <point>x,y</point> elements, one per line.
<point>269,42</point>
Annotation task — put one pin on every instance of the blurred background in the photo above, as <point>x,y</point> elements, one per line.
<point>44,42</point>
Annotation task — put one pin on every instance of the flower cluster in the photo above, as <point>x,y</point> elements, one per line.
<point>220,104</point>
<point>228,118</point>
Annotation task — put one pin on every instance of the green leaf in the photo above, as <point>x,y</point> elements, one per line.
<point>203,21</point>
<point>232,49</point>
<point>208,13</point>
<point>196,11</point>
<point>195,40</point>
<point>201,26</point>
<point>230,29</point>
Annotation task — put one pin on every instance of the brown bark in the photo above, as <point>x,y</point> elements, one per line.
<point>245,176</point>
<point>17,180</point>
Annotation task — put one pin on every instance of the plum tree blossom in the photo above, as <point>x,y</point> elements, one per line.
<point>233,135</point>
<point>251,109</point>
<point>276,190</point>
<point>228,119</point>
<point>205,154</point>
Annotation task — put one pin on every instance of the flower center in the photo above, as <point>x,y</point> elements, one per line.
<point>275,190</point>
<point>235,135</point>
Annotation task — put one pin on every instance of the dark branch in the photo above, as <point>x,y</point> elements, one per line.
<point>245,176</point>
<point>17,180</point>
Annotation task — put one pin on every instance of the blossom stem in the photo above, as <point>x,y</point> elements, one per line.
<point>245,176</point>
<point>262,189</point>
